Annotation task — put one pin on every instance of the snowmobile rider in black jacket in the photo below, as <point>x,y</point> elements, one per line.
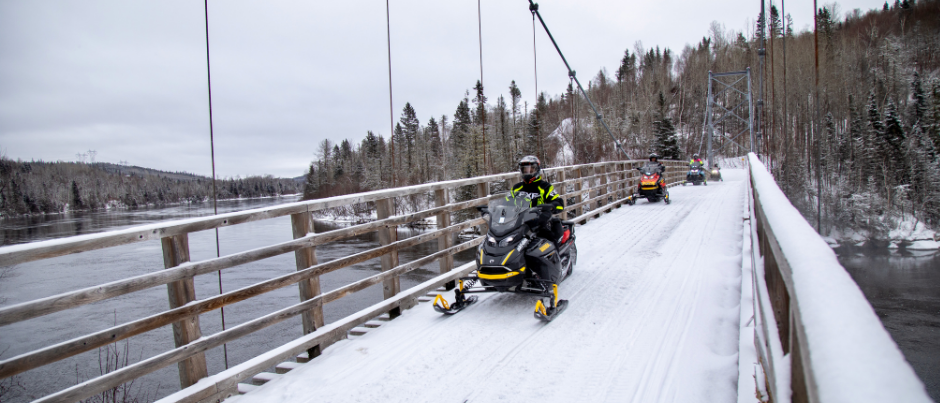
<point>541,193</point>
<point>657,166</point>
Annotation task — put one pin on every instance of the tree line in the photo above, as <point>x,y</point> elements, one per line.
<point>877,133</point>
<point>863,155</point>
<point>51,187</point>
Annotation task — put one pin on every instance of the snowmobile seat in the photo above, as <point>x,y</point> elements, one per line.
<point>566,222</point>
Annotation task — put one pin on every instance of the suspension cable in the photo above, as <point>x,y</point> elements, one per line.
<point>391,110</point>
<point>534,8</point>
<point>486,165</point>
<point>215,194</point>
<point>535,64</point>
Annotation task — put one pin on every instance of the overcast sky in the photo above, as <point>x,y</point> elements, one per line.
<point>128,78</point>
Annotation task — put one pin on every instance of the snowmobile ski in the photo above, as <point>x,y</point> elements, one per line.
<point>556,307</point>
<point>548,314</point>
<point>441,305</point>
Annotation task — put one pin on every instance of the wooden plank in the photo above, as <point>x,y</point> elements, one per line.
<point>182,292</point>
<point>385,208</point>
<point>301,225</point>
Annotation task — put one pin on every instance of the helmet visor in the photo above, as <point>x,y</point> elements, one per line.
<point>528,169</point>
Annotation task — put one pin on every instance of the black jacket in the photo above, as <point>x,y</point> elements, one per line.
<point>540,191</point>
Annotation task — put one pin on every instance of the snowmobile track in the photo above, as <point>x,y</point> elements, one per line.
<point>648,295</point>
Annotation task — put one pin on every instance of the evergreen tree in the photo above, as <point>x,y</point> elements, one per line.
<point>894,139</point>
<point>310,183</point>
<point>667,145</point>
<point>77,203</point>
<point>409,128</point>
<point>460,139</point>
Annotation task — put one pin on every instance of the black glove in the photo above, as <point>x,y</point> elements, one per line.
<point>546,214</point>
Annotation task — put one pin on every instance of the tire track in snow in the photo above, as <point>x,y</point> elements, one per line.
<point>632,295</point>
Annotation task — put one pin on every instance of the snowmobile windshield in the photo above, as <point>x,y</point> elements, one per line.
<point>696,164</point>
<point>649,170</point>
<point>508,213</point>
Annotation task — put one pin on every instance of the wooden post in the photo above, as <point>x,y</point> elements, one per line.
<point>301,225</point>
<point>443,221</point>
<point>602,191</point>
<point>483,190</point>
<point>561,189</point>
<point>391,287</point>
<point>182,292</point>
<point>577,187</point>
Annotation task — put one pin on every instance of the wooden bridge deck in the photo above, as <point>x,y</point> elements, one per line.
<point>654,316</point>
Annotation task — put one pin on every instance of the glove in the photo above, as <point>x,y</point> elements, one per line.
<point>545,215</point>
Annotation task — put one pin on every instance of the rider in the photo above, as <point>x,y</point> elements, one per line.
<point>697,162</point>
<point>654,162</point>
<point>540,192</point>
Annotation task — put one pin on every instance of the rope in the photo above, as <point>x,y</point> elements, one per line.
<point>215,195</point>
<point>391,110</point>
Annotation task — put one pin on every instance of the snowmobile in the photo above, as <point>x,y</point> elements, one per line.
<point>652,185</point>
<point>715,173</point>
<point>514,258</point>
<point>696,175</point>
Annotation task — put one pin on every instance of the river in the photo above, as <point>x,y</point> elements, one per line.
<point>34,280</point>
<point>904,290</point>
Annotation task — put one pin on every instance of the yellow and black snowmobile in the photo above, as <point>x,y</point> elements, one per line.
<point>516,256</point>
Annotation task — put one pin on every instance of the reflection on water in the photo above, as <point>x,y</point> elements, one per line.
<point>34,280</point>
<point>904,289</point>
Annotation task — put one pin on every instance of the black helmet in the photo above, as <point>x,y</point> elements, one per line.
<point>530,167</point>
<point>654,157</point>
<point>695,156</point>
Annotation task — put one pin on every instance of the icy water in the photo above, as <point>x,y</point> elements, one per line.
<point>904,289</point>
<point>45,278</point>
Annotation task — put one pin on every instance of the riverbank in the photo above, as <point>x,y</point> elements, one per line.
<point>908,234</point>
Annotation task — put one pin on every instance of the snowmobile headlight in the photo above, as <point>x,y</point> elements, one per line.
<point>491,240</point>
<point>505,242</point>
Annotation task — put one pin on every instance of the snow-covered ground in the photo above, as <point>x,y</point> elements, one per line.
<point>654,316</point>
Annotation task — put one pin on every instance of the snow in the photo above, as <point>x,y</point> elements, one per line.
<point>852,356</point>
<point>654,315</point>
<point>565,155</point>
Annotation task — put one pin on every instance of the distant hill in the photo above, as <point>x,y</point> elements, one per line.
<point>141,171</point>
<point>51,187</point>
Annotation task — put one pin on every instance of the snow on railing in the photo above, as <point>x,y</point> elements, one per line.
<point>817,337</point>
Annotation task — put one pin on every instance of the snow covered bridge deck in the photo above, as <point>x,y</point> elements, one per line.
<point>653,316</point>
<point>667,303</point>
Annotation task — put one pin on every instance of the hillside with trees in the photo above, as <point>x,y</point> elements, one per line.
<point>876,138</point>
<point>38,187</point>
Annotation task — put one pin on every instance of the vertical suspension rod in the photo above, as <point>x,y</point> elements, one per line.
<point>817,143</point>
<point>215,194</point>
<point>486,165</point>
<point>534,8</point>
<point>391,110</point>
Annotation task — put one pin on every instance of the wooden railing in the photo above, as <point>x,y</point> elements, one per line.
<point>589,190</point>
<point>816,336</point>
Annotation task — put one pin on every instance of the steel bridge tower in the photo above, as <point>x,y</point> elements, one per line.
<point>720,101</point>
